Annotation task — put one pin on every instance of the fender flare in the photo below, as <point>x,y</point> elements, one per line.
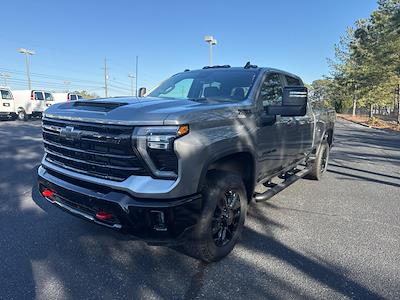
<point>219,155</point>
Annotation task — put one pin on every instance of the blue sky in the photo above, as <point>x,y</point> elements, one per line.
<point>72,38</point>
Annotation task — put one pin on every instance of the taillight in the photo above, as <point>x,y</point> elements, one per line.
<point>68,98</point>
<point>32,96</point>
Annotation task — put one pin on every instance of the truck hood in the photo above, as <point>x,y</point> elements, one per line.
<point>134,111</point>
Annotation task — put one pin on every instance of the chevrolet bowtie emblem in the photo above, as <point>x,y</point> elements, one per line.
<point>69,133</point>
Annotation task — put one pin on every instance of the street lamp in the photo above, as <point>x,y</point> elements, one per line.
<point>27,52</point>
<point>211,41</point>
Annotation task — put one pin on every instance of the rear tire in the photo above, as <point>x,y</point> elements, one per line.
<point>223,216</point>
<point>22,116</point>
<point>321,162</point>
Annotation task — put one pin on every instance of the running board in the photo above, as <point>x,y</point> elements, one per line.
<point>280,186</point>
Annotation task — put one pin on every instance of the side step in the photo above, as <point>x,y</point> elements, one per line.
<point>276,188</point>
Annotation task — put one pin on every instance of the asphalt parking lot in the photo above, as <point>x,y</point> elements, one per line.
<point>337,238</point>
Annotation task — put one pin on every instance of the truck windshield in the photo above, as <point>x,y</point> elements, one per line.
<point>214,84</point>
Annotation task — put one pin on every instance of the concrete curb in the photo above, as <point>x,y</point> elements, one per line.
<point>387,130</point>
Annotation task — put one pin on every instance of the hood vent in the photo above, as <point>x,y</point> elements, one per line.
<point>92,105</point>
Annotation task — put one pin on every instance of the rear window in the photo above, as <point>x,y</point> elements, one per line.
<point>292,81</point>
<point>48,96</point>
<point>39,96</point>
<point>73,97</point>
<point>6,95</point>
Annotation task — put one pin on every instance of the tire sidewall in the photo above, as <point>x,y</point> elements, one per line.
<point>217,184</point>
<point>22,115</point>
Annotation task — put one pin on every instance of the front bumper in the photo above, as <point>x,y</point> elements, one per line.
<point>156,221</point>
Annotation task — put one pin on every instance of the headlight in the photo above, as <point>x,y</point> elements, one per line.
<point>156,146</point>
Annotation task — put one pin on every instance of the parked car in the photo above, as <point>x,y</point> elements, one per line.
<point>7,105</point>
<point>66,97</point>
<point>180,166</point>
<point>31,103</point>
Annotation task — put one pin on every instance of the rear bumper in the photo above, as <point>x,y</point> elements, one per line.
<point>159,222</point>
<point>7,115</point>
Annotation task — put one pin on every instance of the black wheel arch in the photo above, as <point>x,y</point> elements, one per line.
<point>241,161</point>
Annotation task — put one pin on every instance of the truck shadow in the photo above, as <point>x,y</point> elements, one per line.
<point>49,254</point>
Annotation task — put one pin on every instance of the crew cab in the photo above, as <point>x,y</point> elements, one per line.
<point>180,165</point>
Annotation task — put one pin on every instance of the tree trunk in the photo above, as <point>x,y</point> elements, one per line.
<point>398,103</point>
<point>354,107</point>
<point>371,110</point>
<point>398,109</point>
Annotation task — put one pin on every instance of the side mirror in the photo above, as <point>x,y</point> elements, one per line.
<point>142,92</point>
<point>294,102</point>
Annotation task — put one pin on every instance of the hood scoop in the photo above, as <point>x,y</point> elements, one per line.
<point>92,105</point>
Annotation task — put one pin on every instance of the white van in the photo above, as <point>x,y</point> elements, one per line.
<point>66,97</point>
<point>31,103</point>
<point>7,105</point>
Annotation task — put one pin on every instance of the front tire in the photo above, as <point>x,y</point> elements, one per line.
<point>321,162</point>
<point>222,220</point>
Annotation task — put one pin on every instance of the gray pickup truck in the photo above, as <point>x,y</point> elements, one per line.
<point>180,165</point>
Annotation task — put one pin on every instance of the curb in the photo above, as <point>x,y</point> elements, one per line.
<point>387,130</point>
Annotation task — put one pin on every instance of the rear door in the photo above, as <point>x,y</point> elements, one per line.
<point>38,101</point>
<point>6,101</point>
<point>49,100</point>
<point>301,128</point>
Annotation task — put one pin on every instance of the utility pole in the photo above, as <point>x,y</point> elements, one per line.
<point>136,71</point>
<point>27,52</point>
<point>131,76</point>
<point>5,76</point>
<point>105,78</point>
<point>67,83</point>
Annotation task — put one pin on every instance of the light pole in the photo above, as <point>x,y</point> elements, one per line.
<point>67,83</point>
<point>5,76</point>
<point>211,41</point>
<point>27,52</point>
<point>132,77</point>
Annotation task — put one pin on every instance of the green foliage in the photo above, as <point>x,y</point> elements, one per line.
<point>366,66</point>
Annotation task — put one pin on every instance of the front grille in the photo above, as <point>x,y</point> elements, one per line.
<point>99,150</point>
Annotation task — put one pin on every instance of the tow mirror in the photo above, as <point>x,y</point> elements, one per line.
<point>294,102</point>
<point>142,92</point>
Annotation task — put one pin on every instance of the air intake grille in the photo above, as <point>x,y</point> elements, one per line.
<point>103,151</point>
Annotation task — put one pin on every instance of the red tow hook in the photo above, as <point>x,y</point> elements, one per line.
<point>47,193</point>
<point>104,216</point>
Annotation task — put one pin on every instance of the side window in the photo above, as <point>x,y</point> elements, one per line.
<point>6,95</point>
<point>80,97</point>
<point>39,96</point>
<point>48,96</point>
<point>73,97</point>
<point>271,90</point>
<point>292,81</point>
